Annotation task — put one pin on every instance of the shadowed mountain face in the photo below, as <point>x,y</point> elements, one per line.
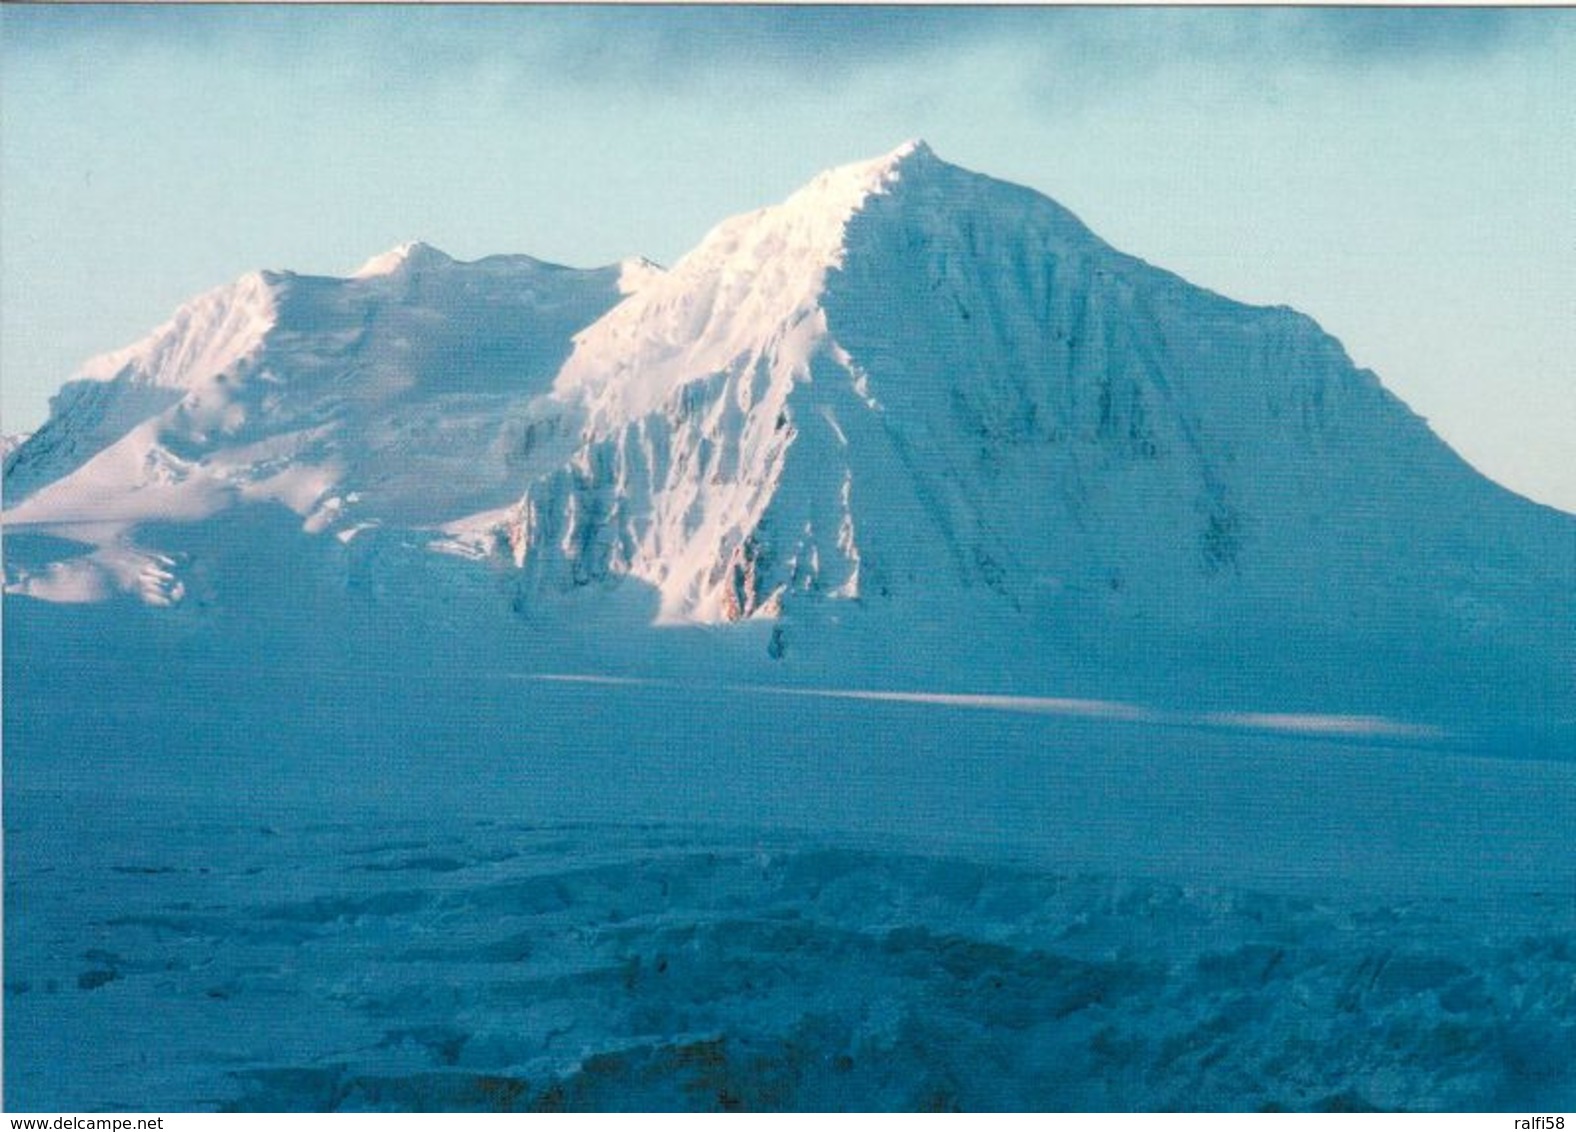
<point>912,412</point>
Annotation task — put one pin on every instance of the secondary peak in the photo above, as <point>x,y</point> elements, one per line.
<point>413,254</point>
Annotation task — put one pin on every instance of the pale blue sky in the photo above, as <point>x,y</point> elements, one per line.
<point>1405,176</point>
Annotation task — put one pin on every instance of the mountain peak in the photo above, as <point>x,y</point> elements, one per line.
<point>913,151</point>
<point>850,185</point>
<point>409,256</point>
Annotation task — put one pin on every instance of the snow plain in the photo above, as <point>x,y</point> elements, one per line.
<point>435,887</point>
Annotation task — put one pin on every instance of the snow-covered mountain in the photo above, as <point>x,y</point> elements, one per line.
<point>405,394</point>
<point>908,400</point>
<point>916,390</point>
<point>407,385</point>
<point>908,655</point>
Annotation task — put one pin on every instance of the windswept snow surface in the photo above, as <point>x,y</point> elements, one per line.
<point>908,655</point>
<point>503,965</point>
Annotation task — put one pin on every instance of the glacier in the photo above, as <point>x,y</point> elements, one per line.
<point>905,654</point>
